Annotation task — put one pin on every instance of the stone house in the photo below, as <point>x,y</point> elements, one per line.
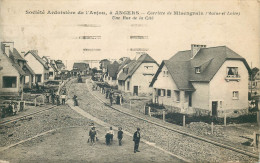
<point>135,77</point>
<point>212,81</point>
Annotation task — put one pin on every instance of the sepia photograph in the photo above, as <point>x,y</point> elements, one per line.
<point>129,81</point>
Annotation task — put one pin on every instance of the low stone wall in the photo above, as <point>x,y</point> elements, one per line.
<point>204,112</point>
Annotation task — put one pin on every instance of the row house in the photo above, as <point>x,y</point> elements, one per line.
<point>136,76</point>
<point>110,76</point>
<point>39,66</point>
<point>13,70</point>
<point>80,68</point>
<point>53,71</point>
<point>103,65</point>
<point>204,80</point>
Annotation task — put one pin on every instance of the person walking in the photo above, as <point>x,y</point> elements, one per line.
<point>111,132</point>
<point>92,135</point>
<point>136,139</point>
<point>107,136</point>
<point>75,100</point>
<point>120,135</point>
<point>63,98</point>
<point>111,98</point>
<point>52,98</point>
<point>48,96</point>
<point>57,99</point>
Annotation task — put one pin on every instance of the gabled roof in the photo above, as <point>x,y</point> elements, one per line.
<point>182,67</point>
<point>52,65</point>
<point>133,66</point>
<point>80,66</point>
<point>17,55</point>
<point>34,53</point>
<point>125,62</point>
<point>15,65</point>
<point>112,69</point>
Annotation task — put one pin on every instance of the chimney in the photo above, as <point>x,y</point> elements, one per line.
<point>7,50</point>
<point>195,49</point>
<point>7,47</point>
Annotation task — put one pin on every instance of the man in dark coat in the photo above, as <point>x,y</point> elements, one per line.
<point>136,139</point>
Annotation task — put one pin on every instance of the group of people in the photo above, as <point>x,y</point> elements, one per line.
<point>11,109</point>
<point>56,97</point>
<point>110,94</point>
<point>110,134</point>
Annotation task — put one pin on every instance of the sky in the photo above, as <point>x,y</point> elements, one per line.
<point>59,36</point>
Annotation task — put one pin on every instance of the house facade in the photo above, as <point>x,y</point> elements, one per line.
<point>80,68</point>
<point>11,74</point>
<point>136,76</point>
<point>110,76</point>
<point>210,81</point>
<point>39,66</point>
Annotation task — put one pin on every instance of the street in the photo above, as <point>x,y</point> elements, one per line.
<point>61,134</point>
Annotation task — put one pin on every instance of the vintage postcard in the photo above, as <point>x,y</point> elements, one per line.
<point>129,81</point>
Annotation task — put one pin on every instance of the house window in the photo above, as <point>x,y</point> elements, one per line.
<point>197,70</point>
<point>9,82</point>
<point>177,95</point>
<point>232,71</point>
<point>168,93</point>
<point>235,95</point>
<point>128,85</point>
<point>163,92</point>
<point>50,74</point>
<point>159,92</point>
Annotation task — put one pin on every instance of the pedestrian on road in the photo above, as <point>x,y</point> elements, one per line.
<point>52,98</point>
<point>111,132</point>
<point>92,135</point>
<point>57,99</point>
<point>48,96</point>
<point>75,100</point>
<point>118,99</point>
<point>120,135</point>
<point>107,136</point>
<point>111,98</point>
<point>136,139</point>
<point>63,98</point>
<point>107,92</point>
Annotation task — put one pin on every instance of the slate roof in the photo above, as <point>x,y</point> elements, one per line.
<point>15,65</point>
<point>128,60</point>
<point>37,57</point>
<point>182,67</point>
<point>112,69</point>
<point>53,67</point>
<point>16,57</point>
<point>80,66</point>
<point>133,66</point>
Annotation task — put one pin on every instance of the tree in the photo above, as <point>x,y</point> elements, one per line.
<point>254,72</point>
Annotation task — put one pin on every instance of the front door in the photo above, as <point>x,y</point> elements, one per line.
<point>214,108</point>
<point>136,90</point>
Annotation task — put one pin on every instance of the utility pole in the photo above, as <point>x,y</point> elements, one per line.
<point>251,76</point>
